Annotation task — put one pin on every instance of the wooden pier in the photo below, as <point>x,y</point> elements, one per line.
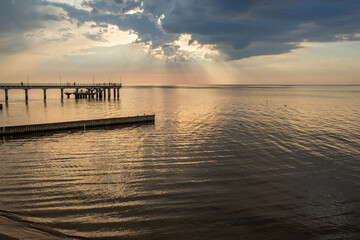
<point>83,124</point>
<point>92,90</point>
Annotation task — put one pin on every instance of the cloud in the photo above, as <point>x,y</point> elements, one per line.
<point>235,27</point>
<point>184,50</point>
<point>231,29</point>
<point>21,16</point>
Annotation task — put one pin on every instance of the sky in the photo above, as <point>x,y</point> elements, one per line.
<point>180,42</point>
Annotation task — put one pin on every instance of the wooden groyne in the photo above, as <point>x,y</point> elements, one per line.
<point>35,128</point>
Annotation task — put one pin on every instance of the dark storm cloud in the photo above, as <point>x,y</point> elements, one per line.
<point>249,28</point>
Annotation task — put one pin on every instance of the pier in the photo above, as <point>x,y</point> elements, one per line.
<point>92,90</point>
<point>83,124</point>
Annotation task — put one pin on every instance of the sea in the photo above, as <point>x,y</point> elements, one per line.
<point>220,162</point>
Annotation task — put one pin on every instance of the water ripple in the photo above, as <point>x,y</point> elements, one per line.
<point>220,163</point>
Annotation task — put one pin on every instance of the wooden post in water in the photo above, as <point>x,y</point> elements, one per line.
<point>44,94</point>
<point>62,94</point>
<point>104,93</point>
<point>118,93</point>
<point>26,95</point>
<point>109,93</point>
<point>114,93</point>
<point>6,95</point>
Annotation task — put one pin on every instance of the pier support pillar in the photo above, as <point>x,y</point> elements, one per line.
<point>26,95</point>
<point>76,93</point>
<point>114,93</point>
<point>100,93</point>
<point>109,93</point>
<point>6,95</point>
<point>104,93</point>
<point>62,94</point>
<point>118,93</point>
<point>44,94</point>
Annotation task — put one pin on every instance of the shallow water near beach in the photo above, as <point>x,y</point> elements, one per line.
<point>220,162</point>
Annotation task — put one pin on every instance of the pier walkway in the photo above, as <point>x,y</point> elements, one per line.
<point>93,90</point>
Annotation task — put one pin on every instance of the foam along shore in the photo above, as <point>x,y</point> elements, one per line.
<point>83,124</point>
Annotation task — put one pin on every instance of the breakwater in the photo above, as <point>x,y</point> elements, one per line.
<point>83,124</point>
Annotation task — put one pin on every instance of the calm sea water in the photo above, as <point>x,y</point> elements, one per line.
<point>219,163</point>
